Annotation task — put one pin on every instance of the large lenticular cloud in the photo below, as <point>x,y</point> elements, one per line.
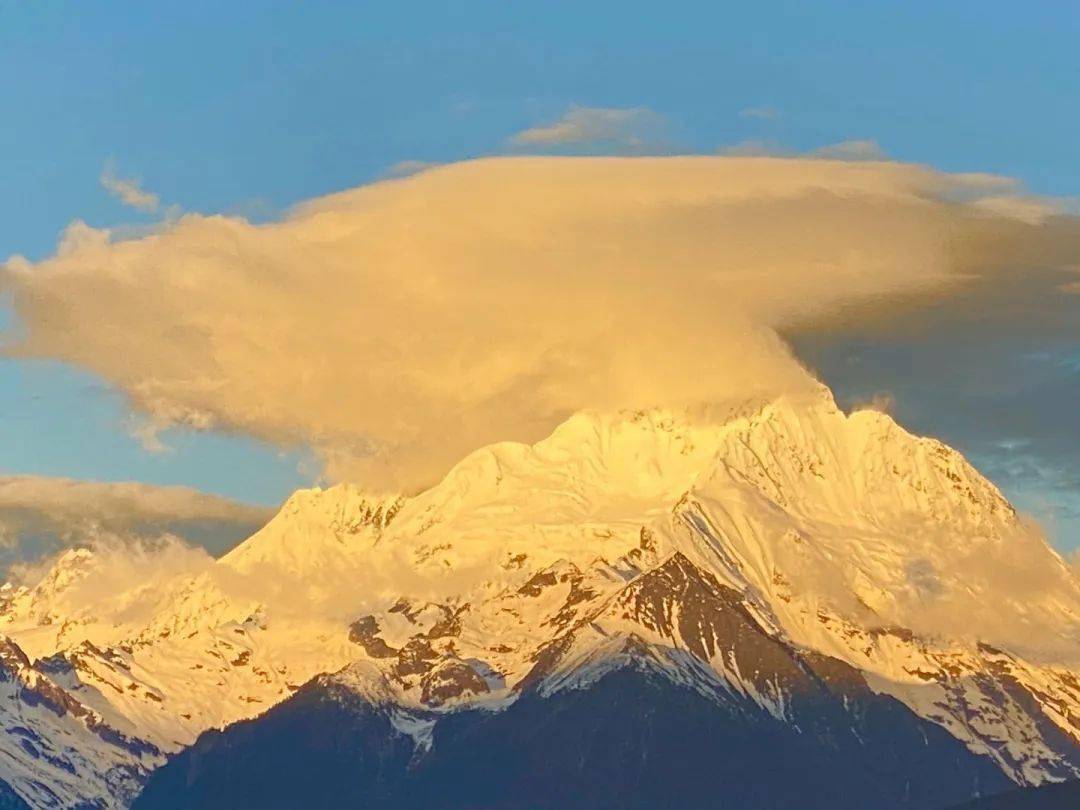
<point>397,326</point>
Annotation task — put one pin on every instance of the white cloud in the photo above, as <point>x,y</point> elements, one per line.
<point>633,128</point>
<point>128,190</point>
<point>146,428</point>
<point>147,433</point>
<point>882,402</point>
<point>395,327</point>
<point>112,583</point>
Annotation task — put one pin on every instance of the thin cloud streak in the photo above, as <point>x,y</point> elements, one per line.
<point>858,149</point>
<point>631,128</point>
<point>763,113</point>
<point>407,168</point>
<point>128,190</point>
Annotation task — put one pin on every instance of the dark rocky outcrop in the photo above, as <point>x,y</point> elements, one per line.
<point>365,632</point>
<point>452,679</point>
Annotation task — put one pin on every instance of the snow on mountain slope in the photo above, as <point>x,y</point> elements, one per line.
<point>842,534</point>
<point>58,752</point>
<point>669,682</point>
<point>858,514</point>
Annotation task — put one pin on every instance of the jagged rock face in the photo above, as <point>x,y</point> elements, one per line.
<point>776,561</point>
<point>677,600</point>
<point>441,676</point>
<point>450,680</point>
<point>365,632</point>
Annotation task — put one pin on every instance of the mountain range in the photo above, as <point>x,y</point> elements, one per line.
<point>756,604</point>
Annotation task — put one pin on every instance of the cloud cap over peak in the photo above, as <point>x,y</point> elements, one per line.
<point>398,326</point>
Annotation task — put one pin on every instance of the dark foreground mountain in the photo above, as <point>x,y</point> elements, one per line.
<point>631,741</point>
<point>10,800</point>
<point>1059,796</point>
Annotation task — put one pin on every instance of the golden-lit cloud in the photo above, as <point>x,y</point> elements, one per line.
<point>632,127</point>
<point>128,190</point>
<point>39,515</point>
<point>395,327</point>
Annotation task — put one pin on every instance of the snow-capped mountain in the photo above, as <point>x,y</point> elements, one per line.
<point>58,751</point>
<point>809,575</point>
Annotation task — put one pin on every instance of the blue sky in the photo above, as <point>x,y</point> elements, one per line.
<point>247,108</point>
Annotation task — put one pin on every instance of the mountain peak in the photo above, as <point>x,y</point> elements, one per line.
<point>314,527</point>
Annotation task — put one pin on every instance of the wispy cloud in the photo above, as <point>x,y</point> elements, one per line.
<point>128,190</point>
<point>407,168</point>
<point>754,147</point>
<point>148,434</point>
<point>40,515</point>
<point>148,430</point>
<point>633,128</point>
<point>764,113</point>
<point>856,149</point>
